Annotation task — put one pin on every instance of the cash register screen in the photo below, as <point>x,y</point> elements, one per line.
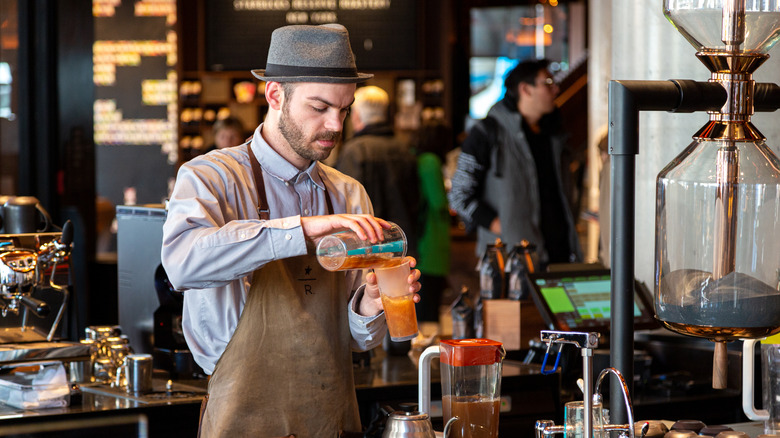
<point>580,301</point>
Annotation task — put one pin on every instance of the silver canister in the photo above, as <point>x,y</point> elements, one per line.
<point>138,369</point>
<point>80,371</point>
<point>98,332</point>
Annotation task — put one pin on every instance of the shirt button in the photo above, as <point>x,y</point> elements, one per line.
<point>287,184</point>
<point>288,236</point>
<point>242,235</point>
<point>306,211</point>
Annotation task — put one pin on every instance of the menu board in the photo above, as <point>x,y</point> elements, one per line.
<point>134,57</point>
<point>383,33</point>
<point>136,98</point>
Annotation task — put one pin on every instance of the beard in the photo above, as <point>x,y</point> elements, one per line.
<point>296,138</point>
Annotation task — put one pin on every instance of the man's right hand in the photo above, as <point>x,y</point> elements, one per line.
<point>495,226</point>
<point>367,227</point>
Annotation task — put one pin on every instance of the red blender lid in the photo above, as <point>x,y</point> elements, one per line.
<point>468,352</point>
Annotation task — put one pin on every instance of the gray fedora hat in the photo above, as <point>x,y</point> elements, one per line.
<point>302,53</point>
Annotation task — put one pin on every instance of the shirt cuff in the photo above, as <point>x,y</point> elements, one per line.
<point>287,237</point>
<point>354,305</point>
<point>367,331</point>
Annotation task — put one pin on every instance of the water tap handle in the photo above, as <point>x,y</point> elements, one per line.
<point>589,340</point>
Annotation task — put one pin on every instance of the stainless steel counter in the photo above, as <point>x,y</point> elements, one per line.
<point>160,413</point>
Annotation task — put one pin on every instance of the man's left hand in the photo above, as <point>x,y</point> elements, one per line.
<point>371,304</point>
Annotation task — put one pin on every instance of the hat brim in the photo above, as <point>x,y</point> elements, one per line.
<point>361,77</point>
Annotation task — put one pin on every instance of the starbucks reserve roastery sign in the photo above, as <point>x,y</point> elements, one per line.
<point>382,32</point>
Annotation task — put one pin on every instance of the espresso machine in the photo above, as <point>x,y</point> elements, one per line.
<point>34,290</point>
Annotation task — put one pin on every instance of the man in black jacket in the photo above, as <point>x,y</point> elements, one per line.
<point>508,182</point>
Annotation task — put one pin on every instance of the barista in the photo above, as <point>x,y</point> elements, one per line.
<point>278,351</point>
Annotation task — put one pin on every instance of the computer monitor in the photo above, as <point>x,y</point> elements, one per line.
<point>580,301</point>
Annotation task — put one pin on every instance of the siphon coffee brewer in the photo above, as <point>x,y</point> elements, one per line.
<point>717,215</point>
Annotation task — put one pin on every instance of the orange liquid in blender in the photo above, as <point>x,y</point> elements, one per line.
<point>401,316</point>
<point>476,418</point>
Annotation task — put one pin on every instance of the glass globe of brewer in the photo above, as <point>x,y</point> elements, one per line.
<point>717,246</point>
<point>701,23</point>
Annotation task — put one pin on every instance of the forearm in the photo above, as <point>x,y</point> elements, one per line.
<point>465,192</point>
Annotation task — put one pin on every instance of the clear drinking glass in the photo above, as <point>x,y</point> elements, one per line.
<point>397,301</point>
<point>574,420</point>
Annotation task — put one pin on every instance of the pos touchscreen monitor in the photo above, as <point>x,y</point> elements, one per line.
<point>580,301</point>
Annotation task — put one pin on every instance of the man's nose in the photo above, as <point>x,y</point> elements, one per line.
<point>334,121</point>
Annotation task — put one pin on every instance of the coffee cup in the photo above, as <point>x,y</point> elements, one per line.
<point>24,214</point>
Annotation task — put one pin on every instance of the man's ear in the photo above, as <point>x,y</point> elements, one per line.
<point>523,89</point>
<point>274,95</point>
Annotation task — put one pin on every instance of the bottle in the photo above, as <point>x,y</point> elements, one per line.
<point>522,260</point>
<point>492,280</point>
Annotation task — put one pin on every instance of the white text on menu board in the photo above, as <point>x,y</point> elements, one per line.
<point>310,11</point>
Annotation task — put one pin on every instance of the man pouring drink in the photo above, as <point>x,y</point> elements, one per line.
<point>271,327</point>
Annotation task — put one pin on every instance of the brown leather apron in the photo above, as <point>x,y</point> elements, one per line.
<point>287,369</point>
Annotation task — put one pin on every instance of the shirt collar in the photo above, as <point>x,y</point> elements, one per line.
<point>277,166</point>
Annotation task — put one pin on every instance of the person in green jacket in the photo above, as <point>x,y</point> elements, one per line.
<point>433,246</point>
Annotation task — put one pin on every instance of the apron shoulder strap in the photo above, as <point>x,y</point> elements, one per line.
<point>257,172</point>
<point>327,195</point>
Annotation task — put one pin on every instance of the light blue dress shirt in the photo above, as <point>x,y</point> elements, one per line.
<point>213,238</point>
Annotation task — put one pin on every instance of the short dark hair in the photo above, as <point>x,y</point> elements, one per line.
<point>229,122</point>
<point>524,72</point>
<point>289,88</point>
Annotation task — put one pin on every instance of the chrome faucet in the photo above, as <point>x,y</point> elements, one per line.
<point>586,342</point>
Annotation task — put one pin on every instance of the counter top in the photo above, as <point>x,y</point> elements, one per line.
<point>110,410</point>
<point>386,380</point>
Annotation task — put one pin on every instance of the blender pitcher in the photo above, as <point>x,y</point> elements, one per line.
<point>770,378</point>
<point>470,385</point>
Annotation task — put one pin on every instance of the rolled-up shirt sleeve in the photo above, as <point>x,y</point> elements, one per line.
<point>367,331</point>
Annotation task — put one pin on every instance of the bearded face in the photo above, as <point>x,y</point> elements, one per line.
<point>304,143</point>
<point>312,117</point>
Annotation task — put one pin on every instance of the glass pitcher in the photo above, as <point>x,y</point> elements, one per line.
<point>346,250</point>
<point>770,382</point>
<point>470,385</point>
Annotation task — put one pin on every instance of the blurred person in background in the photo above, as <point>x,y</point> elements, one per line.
<point>382,162</point>
<point>433,247</point>
<point>227,132</point>
<point>509,178</point>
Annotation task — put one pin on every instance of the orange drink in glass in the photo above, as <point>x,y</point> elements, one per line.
<point>397,301</point>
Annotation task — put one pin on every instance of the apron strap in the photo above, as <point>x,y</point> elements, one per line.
<point>327,195</point>
<point>257,172</point>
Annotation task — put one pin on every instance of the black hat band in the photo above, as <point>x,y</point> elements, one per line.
<point>277,70</point>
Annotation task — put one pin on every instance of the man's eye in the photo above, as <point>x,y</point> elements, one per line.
<point>319,110</point>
